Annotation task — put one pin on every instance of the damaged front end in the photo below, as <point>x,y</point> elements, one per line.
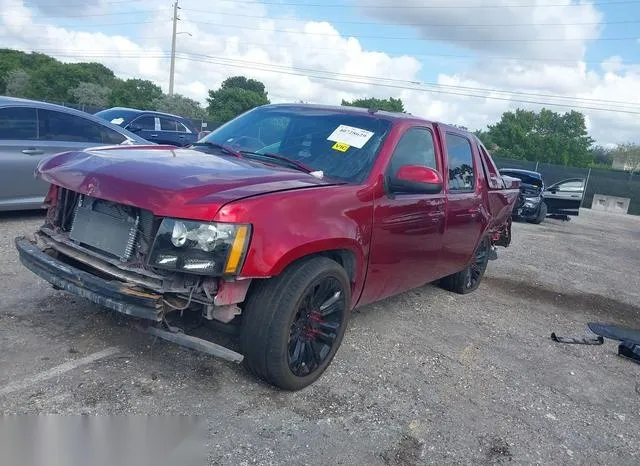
<point>130,261</point>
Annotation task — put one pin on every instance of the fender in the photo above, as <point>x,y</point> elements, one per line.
<point>355,262</point>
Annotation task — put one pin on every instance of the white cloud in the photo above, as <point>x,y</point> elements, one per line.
<point>210,54</point>
<point>561,30</point>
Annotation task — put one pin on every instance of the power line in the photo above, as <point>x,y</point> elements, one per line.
<point>95,15</point>
<point>439,89</point>
<point>432,7</point>
<point>446,86</point>
<point>58,4</point>
<point>378,23</point>
<point>331,50</point>
<point>102,25</point>
<point>564,105</point>
<point>360,36</point>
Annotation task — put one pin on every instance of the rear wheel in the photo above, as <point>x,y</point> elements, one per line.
<point>468,280</point>
<point>293,324</point>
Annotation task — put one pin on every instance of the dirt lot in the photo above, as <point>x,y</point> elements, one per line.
<point>425,377</point>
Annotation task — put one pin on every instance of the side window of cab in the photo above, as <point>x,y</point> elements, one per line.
<point>416,147</point>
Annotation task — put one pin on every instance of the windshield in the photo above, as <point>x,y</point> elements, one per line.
<point>115,116</point>
<point>526,179</point>
<point>341,145</point>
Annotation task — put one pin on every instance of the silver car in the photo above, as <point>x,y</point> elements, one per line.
<point>32,130</point>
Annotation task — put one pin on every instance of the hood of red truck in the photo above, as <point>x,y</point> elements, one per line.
<point>169,181</point>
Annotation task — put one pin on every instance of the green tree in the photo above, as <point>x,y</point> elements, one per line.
<point>236,95</point>
<point>16,83</point>
<point>486,139</point>
<point>390,104</point>
<point>546,136</point>
<point>179,105</point>
<point>13,60</point>
<point>602,156</point>
<point>91,94</point>
<point>135,93</point>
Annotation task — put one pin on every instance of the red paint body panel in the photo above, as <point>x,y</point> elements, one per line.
<point>169,181</point>
<point>396,242</point>
<point>290,225</point>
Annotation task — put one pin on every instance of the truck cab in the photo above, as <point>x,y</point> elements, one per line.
<point>275,225</point>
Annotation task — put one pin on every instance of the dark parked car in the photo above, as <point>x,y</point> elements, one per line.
<point>531,205</point>
<point>536,201</point>
<point>565,197</point>
<point>32,130</point>
<point>161,128</point>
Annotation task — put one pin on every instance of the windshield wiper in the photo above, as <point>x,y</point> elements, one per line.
<point>288,162</point>
<point>222,147</point>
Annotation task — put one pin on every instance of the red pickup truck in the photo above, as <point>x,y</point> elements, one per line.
<point>277,224</point>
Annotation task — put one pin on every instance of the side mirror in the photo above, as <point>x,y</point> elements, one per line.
<point>134,128</point>
<point>416,179</point>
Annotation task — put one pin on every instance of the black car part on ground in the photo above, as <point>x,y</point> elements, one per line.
<point>629,351</point>
<point>577,341</point>
<point>629,339</point>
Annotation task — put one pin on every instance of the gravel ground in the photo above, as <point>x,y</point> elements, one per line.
<point>424,377</point>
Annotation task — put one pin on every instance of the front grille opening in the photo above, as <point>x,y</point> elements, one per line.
<point>115,230</point>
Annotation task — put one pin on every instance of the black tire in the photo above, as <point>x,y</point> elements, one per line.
<point>269,339</point>
<point>469,279</point>
<point>542,214</point>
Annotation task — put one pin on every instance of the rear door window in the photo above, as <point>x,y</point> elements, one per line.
<point>18,123</point>
<point>461,170</point>
<point>168,124</point>
<point>59,126</point>
<point>146,123</point>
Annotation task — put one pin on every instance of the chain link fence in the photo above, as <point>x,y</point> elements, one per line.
<point>598,181</point>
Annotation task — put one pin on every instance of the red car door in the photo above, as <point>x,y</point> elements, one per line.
<point>466,216</point>
<point>407,228</point>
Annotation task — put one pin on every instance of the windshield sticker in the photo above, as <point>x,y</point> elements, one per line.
<point>355,137</point>
<point>117,121</point>
<point>341,146</point>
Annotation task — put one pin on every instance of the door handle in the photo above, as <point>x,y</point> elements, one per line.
<point>181,136</point>
<point>33,151</point>
<point>153,135</point>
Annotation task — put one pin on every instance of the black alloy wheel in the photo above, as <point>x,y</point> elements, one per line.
<point>293,324</point>
<point>476,270</point>
<point>315,327</point>
<point>469,279</point>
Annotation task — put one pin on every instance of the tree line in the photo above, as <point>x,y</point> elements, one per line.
<point>545,136</point>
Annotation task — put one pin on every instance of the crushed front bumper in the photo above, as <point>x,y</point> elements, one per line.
<point>111,294</point>
<point>526,213</point>
<point>114,295</point>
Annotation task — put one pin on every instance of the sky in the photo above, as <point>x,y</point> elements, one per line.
<point>462,62</point>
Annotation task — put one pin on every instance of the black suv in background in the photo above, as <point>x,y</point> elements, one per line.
<point>158,127</point>
<point>530,205</point>
<point>560,200</point>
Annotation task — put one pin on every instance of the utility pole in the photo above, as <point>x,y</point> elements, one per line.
<point>173,47</point>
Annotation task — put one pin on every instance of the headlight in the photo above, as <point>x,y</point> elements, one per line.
<point>200,248</point>
<point>531,202</point>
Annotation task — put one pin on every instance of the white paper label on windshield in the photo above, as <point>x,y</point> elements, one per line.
<point>355,137</point>
<point>117,121</point>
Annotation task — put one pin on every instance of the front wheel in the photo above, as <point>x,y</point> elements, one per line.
<point>293,324</point>
<point>468,280</point>
<point>542,214</point>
